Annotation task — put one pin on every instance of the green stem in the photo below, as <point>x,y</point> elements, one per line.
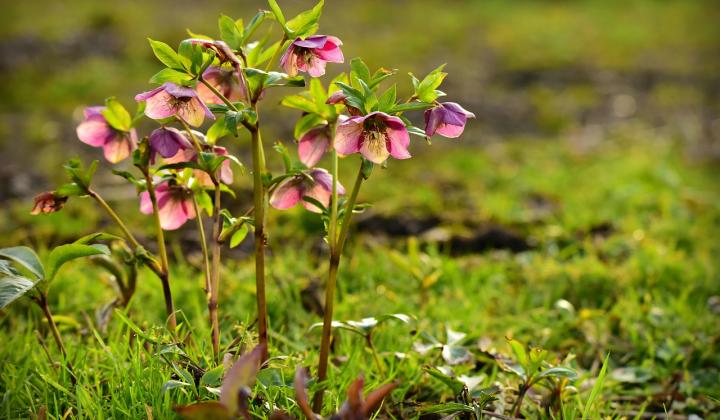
<point>164,265</point>
<point>275,55</point>
<point>215,274</point>
<point>371,346</point>
<point>203,246</point>
<point>217,93</point>
<point>43,303</point>
<point>335,254</point>
<point>129,236</point>
<point>192,135</point>
<point>259,199</point>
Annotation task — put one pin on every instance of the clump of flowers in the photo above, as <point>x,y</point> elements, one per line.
<point>205,95</point>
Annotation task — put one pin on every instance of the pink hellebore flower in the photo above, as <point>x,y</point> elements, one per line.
<point>97,132</point>
<point>48,202</point>
<point>447,119</point>
<point>313,145</point>
<point>175,205</point>
<point>376,136</point>
<point>315,183</point>
<point>226,81</point>
<point>170,99</point>
<point>311,54</point>
<point>167,141</point>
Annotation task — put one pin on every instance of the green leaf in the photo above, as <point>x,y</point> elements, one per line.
<point>425,90</point>
<point>116,115</point>
<point>26,257</point>
<point>558,372</point>
<point>448,407</point>
<point>12,287</point>
<point>360,69</point>
<point>171,75</point>
<point>212,377</point>
<point>599,382</point>
<point>166,54</point>
<point>454,384</point>
<point>69,252</point>
<point>519,351</point>
<point>231,31</point>
<point>387,100</point>
<point>254,23</point>
<point>410,106</point>
<point>306,23</point>
<point>306,123</point>
<point>134,328</point>
<point>217,131</point>
<point>172,384</point>
<point>239,236</point>
<point>70,190</point>
<point>278,13</point>
<point>301,102</point>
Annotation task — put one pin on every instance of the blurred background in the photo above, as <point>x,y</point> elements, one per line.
<point>546,79</point>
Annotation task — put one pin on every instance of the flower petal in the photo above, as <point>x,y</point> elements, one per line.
<point>315,41</point>
<point>117,148</point>
<point>316,67</point>
<point>194,112</point>
<point>94,131</point>
<point>348,136</point>
<point>288,61</point>
<point>167,141</point>
<point>287,194</point>
<point>330,52</point>
<point>160,105</point>
<point>398,142</point>
<point>175,213</point>
<point>313,145</point>
<point>375,150</point>
<point>450,131</point>
<point>319,193</point>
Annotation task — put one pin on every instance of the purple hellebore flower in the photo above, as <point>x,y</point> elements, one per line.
<point>175,205</point>
<point>167,142</point>
<point>313,145</point>
<point>376,136</point>
<point>315,183</point>
<point>170,99</point>
<point>226,81</point>
<point>95,131</point>
<point>311,54</point>
<point>447,119</point>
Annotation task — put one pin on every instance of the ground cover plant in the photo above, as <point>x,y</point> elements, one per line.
<point>597,297</point>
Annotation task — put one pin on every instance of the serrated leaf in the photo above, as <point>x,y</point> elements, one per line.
<point>68,252</point>
<point>231,32</point>
<point>13,287</point>
<point>166,54</point>
<point>26,257</point>
<point>360,69</point>
<point>306,23</point>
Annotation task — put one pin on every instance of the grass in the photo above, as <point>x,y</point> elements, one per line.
<point>640,292</point>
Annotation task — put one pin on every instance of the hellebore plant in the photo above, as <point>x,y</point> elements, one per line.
<point>183,171</point>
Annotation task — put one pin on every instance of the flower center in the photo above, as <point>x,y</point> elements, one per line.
<point>376,141</point>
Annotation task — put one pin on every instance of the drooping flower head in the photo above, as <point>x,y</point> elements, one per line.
<point>226,81</point>
<point>447,119</point>
<point>315,183</point>
<point>170,99</point>
<point>95,131</point>
<point>167,142</point>
<point>376,136</point>
<point>189,154</point>
<point>48,202</point>
<point>175,205</point>
<point>313,145</point>
<point>310,55</point>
